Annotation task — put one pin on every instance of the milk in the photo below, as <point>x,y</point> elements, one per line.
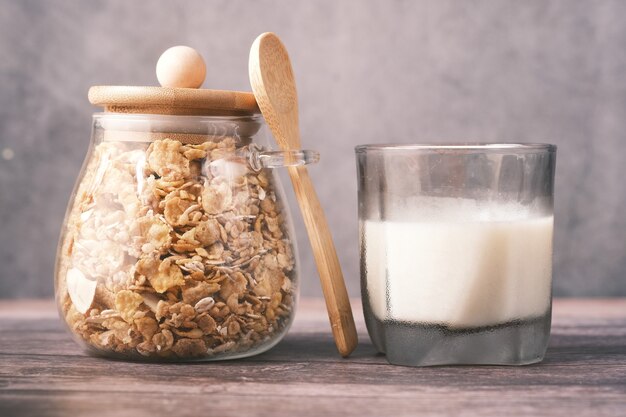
<point>459,264</point>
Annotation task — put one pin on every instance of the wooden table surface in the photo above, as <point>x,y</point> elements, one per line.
<point>43,373</point>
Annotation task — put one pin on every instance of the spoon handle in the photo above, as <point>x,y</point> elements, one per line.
<point>333,286</point>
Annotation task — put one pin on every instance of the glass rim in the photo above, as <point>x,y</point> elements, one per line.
<point>461,147</point>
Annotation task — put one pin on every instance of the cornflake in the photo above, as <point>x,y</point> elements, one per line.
<point>167,276</point>
<point>175,211</point>
<point>127,303</point>
<point>166,160</point>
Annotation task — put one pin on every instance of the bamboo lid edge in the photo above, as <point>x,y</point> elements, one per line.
<point>175,101</point>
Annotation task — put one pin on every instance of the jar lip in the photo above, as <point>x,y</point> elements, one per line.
<point>140,127</point>
<point>461,147</point>
<point>175,117</point>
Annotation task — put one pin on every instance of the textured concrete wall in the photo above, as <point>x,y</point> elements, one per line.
<point>367,71</point>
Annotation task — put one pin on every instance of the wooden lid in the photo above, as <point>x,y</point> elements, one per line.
<point>176,101</point>
<point>180,71</point>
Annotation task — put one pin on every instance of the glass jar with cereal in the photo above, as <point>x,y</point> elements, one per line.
<point>177,243</point>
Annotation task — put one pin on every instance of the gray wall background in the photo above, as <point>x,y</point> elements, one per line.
<point>367,71</point>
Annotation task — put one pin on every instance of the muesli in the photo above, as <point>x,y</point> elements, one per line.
<point>176,251</point>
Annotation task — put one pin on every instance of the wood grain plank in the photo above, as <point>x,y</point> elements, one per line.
<point>44,373</point>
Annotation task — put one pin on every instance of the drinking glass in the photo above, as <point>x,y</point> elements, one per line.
<point>456,251</point>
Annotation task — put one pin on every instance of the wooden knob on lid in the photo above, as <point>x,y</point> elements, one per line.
<point>181,67</point>
<point>180,71</point>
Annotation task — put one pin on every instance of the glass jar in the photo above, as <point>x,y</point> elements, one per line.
<point>177,243</point>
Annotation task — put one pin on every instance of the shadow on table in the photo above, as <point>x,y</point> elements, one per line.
<point>318,348</point>
<point>563,349</point>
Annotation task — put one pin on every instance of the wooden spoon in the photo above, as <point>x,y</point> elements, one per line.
<point>274,88</point>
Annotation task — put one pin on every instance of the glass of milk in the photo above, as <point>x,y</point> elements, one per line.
<point>456,251</point>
